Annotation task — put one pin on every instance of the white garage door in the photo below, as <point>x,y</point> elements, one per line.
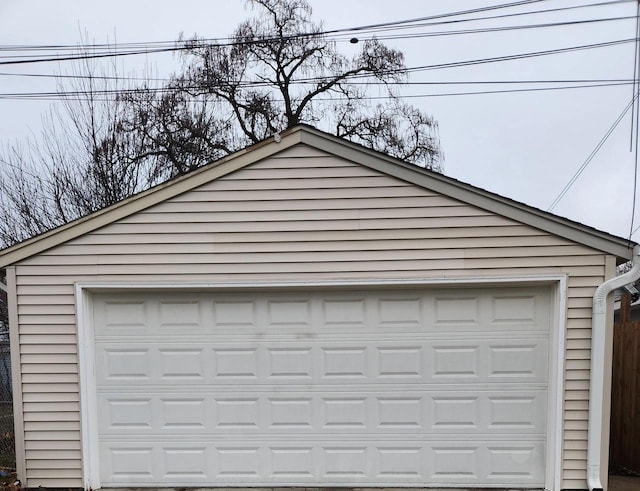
<point>366,388</point>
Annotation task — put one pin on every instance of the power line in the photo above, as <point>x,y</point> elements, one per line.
<point>90,57</point>
<point>143,48</point>
<point>352,79</point>
<point>383,38</point>
<point>20,169</point>
<point>592,154</point>
<point>635,81</point>
<point>513,91</point>
<point>93,96</point>
<point>394,25</point>
<point>117,78</point>
<point>520,56</point>
<point>439,16</point>
<point>517,14</point>
<point>230,41</point>
<point>637,113</point>
<point>315,80</point>
<point>419,68</point>
<point>163,47</point>
<point>488,30</point>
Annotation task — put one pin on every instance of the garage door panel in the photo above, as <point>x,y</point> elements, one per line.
<point>368,388</point>
<point>465,411</point>
<point>480,360</point>
<point>283,462</point>
<point>452,310</point>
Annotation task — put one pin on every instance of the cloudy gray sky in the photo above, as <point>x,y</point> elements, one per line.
<point>524,145</point>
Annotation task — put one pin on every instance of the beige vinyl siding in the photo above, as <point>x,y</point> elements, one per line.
<point>301,215</point>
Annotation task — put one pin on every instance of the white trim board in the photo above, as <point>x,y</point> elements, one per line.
<point>16,375</point>
<point>86,350</point>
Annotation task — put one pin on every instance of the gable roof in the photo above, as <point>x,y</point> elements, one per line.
<point>303,134</point>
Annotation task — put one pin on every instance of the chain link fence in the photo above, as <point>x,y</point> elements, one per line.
<point>7,436</point>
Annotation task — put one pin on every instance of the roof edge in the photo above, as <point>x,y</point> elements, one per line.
<point>548,222</point>
<point>149,197</point>
<point>510,208</point>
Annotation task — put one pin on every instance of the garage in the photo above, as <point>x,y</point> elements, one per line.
<point>355,387</point>
<point>310,313</point>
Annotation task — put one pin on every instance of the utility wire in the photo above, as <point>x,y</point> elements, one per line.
<point>117,78</point>
<point>20,169</point>
<point>230,41</point>
<point>512,91</point>
<point>90,56</point>
<point>427,34</point>
<point>520,56</point>
<point>489,30</point>
<point>394,25</point>
<point>635,181</point>
<point>635,82</point>
<point>636,76</point>
<point>439,16</point>
<point>592,154</point>
<point>146,49</point>
<point>504,16</point>
<point>456,64</point>
<point>94,95</point>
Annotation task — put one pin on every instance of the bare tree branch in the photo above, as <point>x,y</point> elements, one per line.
<point>277,71</point>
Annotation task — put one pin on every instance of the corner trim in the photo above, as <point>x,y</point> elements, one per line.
<point>88,396</point>
<point>557,372</point>
<point>16,376</point>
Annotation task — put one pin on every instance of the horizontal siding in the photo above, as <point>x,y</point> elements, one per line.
<point>55,482</point>
<point>44,281</point>
<point>49,397</point>
<point>160,242</point>
<point>303,225</point>
<point>299,216</point>
<point>472,258</point>
<point>571,445</point>
<point>323,264</point>
<point>576,454</point>
<point>48,329</point>
<point>36,446</point>
<point>329,182</point>
<point>48,348</point>
<point>309,252</point>
<point>367,218</point>
<point>213,236</point>
<point>308,194</point>
<point>303,203</point>
<point>58,454</point>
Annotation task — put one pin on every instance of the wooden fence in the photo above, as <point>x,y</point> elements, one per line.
<point>625,391</point>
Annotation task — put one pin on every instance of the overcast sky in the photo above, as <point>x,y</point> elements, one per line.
<point>524,145</point>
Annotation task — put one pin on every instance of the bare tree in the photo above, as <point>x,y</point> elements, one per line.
<point>278,69</point>
<point>81,162</point>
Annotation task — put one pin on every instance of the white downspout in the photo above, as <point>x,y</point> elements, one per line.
<point>596,385</point>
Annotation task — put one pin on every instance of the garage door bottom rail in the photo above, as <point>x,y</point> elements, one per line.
<point>297,488</point>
